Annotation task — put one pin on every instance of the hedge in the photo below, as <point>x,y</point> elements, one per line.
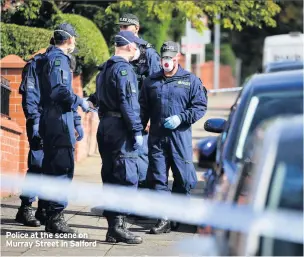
<point>22,40</point>
<point>93,49</point>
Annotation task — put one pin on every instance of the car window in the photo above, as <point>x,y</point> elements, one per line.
<point>263,107</point>
<point>285,192</point>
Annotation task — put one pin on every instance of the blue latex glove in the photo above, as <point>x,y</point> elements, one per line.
<point>85,105</point>
<point>36,131</point>
<point>80,132</point>
<point>172,122</point>
<point>139,140</point>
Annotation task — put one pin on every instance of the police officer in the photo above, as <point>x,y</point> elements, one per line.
<point>30,91</point>
<point>173,99</point>
<point>59,120</point>
<point>119,133</point>
<point>147,63</point>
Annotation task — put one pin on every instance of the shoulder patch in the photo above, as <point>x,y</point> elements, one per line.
<point>123,72</point>
<point>57,62</point>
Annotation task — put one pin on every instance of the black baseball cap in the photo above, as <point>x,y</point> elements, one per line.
<point>128,19</point>
<point>64,31</point>
<point>169,49</point>
<point>126,37</point>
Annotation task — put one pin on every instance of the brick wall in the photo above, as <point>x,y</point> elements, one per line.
<point>88,145</point>
<point>11,68</point>
<point>226,80</point>
<point>10,135</point>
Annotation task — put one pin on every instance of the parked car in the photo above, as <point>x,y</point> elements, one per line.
<point>271,179</point>
<point>264,96</point>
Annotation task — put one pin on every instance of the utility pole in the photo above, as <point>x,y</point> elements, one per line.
<point>238,72</point>
<point>217,44</point>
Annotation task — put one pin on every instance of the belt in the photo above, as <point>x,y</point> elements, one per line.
<point>113,114</point>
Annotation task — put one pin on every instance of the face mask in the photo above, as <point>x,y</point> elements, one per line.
<point>137,54</point>
<point>70,50</point>
<point>167,64</point>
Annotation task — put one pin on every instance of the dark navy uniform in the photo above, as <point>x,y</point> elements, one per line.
<point>58,121</point>
<point>119,133</point>
<point>32,108</point>
<point>147,64</point>
<point>119,122</point>
<point>162,97</point>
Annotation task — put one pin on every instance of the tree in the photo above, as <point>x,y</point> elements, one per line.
<point>235,13</point>
<point>248,44</point>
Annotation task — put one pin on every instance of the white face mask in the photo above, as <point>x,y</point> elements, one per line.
<point>168,64</point>
<point>71,49</point>
<point>137,54</point>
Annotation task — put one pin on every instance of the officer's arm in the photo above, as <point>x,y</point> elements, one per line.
<point>131,118</point>
<point>144,104</point>
<point>59,78</point>
<point>198,103</point>
<point>30,91</point>
<point>153,61</point>
<point>77,118</point>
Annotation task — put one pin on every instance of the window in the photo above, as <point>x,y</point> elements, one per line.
<point>5,93</point>
<point>263,107</point>
<point>286,192</point>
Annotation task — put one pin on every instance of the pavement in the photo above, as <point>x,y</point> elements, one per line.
<point>18,240</point>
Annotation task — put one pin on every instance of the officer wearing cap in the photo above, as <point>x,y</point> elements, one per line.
<point>59,120</point>
<point>119,133</point>
<point>146,62</point>
<point>173,99</point>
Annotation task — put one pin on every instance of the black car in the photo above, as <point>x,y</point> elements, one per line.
<point>264,96</point>
<point>270,180</point>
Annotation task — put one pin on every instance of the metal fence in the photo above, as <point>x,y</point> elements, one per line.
<point>5,94</point>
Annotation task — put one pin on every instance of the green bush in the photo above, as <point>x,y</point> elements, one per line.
<point>105,22</point>
<point>22,40</point>
<point>93,49</point>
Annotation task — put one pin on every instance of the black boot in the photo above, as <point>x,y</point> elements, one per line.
<point>41,216</point>
<point>57,224</point>
<point>162,226</point>
<point>117,232</point>
<point>26,217</point>
<point>174,225</point>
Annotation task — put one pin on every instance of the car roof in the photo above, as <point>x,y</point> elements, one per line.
<point>277,66</point>
<point>269,82</point>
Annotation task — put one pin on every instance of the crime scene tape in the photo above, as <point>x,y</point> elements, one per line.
<point>223,90</point>
<point>188,210</point>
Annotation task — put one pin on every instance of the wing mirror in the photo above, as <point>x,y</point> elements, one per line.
<point>207,152</point>
<point>216,125</point>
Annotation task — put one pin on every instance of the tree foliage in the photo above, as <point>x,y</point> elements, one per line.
<point>93,49</point>
<point>248,44</point>
<point>235,14</point>
<point>23,41</point>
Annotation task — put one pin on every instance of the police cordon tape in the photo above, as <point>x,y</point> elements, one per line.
<point>281,224</point>
<point>224,90</point>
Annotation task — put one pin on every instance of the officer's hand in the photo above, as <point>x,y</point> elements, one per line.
<point>91,105</point>
<point>85,105</point>
<point>80,132</point>
<point>36,131</point>
<point>148,127</point>
<point>172,122</point>
<point>139,140</point>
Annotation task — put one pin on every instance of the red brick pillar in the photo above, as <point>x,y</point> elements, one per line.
<point>10,140</point>
<point>11,69</point>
